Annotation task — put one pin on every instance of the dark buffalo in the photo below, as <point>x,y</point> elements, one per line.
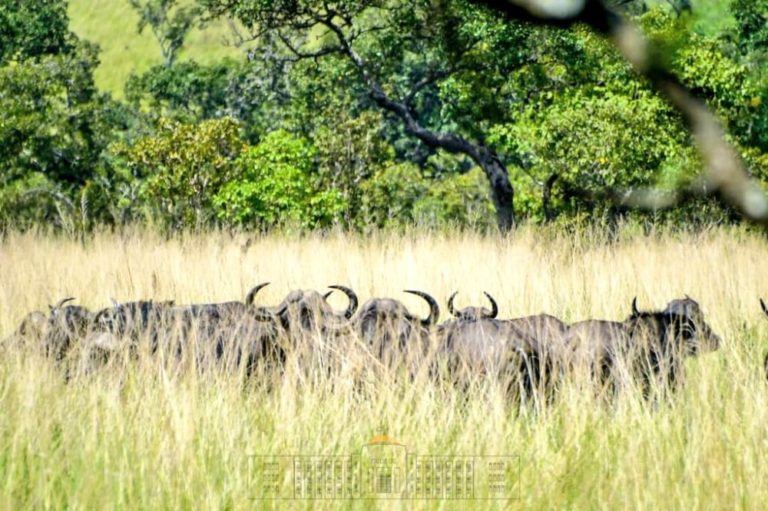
<point>225,333</point>
<point>648,346</point>
<point>123,327</point>
<point>130,319</point>
<point>501,351</point>
<point>595,342</point>
<point>30,331</point>
<point>519,352</point>
<point>307,312</point>
<point>234,334</point>
<point>305,323</point>
<point>594,346</point>
<point>544,330</point>
<point>546,334</point>
<point>147,318</point>
<point>392,332</point>
<point>66,325</point>
<point>56,333</point>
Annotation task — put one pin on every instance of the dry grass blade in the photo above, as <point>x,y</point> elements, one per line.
<point>147,431</point>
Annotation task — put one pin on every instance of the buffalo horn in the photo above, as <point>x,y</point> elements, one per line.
<point>494,306</point>
<point>434,308</point>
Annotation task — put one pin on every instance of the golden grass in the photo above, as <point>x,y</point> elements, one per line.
<point>148,439</point>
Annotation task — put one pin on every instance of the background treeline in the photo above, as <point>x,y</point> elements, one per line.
<point>297,132</point>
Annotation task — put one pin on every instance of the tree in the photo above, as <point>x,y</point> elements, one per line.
<point>404,54</point>
<point>33,29</point>
<point>181,169</point>
<point>187,91</point>
<point>751,24</point>
<point>54,124</point>
<point>349,153</point>
<point>169,22</point>
<point>272,186</point>
<point>724,172</point>
<point>751,38</point>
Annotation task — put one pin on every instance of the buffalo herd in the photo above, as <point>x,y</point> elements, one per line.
<point>529,356</point>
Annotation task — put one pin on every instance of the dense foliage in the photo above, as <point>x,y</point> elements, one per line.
<point>364,114</point>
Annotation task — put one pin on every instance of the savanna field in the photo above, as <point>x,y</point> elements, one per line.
<point>163,159</point>
<point>138,436</point>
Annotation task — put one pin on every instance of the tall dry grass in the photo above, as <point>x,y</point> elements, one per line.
<point>150,439</point>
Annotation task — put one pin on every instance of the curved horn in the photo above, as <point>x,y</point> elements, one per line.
<point>263,314</point>
<point>434,308</point>
<point>494,306</point>
<point>60,303</point>
<point>635,311</point>
<point>451,308</point>
<point>352,307</point>
<point>252,293</point>
<point>326,295</point>
<point>98,316</point>
<point>765,307</point>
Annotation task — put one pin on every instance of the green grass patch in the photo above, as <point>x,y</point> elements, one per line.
<point>113,25</point>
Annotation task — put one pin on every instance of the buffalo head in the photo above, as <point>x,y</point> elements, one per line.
<point>473,313</point>
<point>306,310</point>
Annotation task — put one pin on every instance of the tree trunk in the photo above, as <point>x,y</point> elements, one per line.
<point>501,189</point>
<point>502,192</point>
<point>546,198</point>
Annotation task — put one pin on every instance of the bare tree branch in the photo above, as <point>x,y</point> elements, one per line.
<point>429,79</point>
<point>301,55</point>
<point>486,158</point>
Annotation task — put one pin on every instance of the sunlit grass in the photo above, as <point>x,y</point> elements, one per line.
<point>139,436</point>
<point>113,25</point>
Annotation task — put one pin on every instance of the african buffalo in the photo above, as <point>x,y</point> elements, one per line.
<point>498,350</point>
<point>547,331</point>
<point>225,333</point>
<point>519,352</point>
<point>391,331</point>
<point>306,312</point>
<point>30,331</point>
<point>648,346</point>
<point>63,326</point>
<point>56,333</point>
<point>235,334</point>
